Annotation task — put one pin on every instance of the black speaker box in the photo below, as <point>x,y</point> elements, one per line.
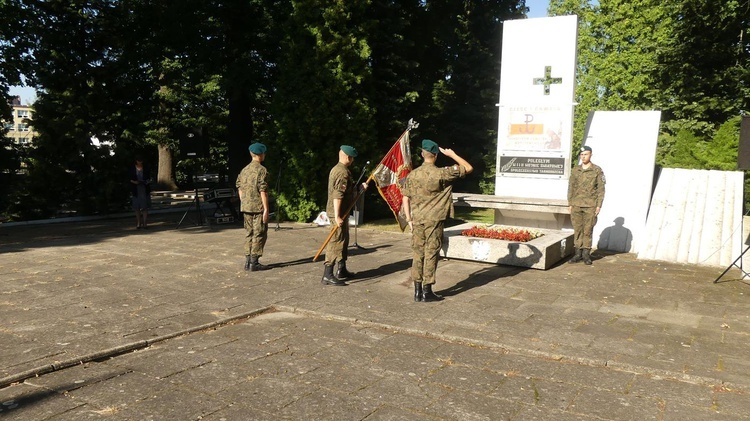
<point>193,143</point>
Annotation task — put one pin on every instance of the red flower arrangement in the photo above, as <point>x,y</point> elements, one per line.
<point>499,232</point>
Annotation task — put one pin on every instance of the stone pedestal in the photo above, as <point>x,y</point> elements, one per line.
<point>539,253</point>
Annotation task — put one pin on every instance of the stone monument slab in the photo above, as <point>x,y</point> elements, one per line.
<point>624,145</point>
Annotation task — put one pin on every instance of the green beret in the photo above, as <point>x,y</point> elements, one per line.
<point>257,148</point>
<point>430,146</point>
<point>349,150</point>
<point>586,148</point>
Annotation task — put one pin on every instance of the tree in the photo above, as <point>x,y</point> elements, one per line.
<point>320,102</point>
<point>703,68</point>
<point>304,77</point>
<point>90,87</point>
<point>687,58</point>
<point>13,50</point>
<point>618,45</point>
<point>462,80</point>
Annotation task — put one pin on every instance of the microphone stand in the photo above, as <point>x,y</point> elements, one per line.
<point>356,208</point>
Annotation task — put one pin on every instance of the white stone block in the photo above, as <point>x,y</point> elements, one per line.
<point>539,253</point>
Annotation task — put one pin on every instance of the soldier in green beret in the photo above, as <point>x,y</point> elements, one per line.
<point>427,202</point>
<point>585,198</point>
<point>252,185</point>
<point>341,196</point>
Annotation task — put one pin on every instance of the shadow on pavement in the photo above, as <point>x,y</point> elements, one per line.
<point>387,269</point>
<point>481,277</point>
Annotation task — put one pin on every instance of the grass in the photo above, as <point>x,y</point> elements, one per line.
<point>462,214</point>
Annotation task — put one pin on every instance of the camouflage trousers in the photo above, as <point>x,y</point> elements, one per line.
<point>583,220</point>
<point>256,234</point>
<point>426,241</point>
<point>338,247</point>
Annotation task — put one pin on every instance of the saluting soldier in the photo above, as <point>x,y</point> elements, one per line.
<point>252,185</point>
<point>427,203</point>
<point>341,196</point>
<point>585,198</point>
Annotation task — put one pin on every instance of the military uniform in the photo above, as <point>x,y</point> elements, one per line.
<point>340,186</point>
<point>585,194</point>
<point>429,190</point>
<point>253,180</point>
<point>341,189</point>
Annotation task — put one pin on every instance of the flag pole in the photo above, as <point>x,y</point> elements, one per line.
<point>345,217</point>
<point>411,125</point>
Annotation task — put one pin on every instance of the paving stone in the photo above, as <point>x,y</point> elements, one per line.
<point>324,404</point>
<point>534,412</point>
<point>616,406</point>
<point>461,405</point>
<point>601,378</point>
<point>674,411</point>
<point>731,402</point>
<point>409,393</point>
<point>470,379</point>
<point>22,401</point>
<point>548,394</point>
<point>280,365</point>
<point>174,402</point>
<point>117,393</point>
<point>672,391</point>
<point>390,413</point>
<point>504,344</point>
<point>161,361</point>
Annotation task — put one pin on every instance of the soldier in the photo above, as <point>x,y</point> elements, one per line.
<point>585,198</point>
<point>427,203</point>
<point>252,185</point>
<point>341,196</point>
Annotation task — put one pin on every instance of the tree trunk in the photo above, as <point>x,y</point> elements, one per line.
<point>165,174</point>
<point>240,132</point>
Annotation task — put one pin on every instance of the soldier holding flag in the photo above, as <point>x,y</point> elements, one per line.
<point>342,193</point>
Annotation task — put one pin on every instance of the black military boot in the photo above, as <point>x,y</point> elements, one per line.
<point>576,256</point>
<point>248,262</point>
<point>255,264</point>
<point>342,273</point>
<point>428,295</point>
<point>586,256</point>
<point>417,291</point>
<point>328,277</point>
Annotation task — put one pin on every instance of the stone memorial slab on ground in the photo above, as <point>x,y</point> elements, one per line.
<point>540,253</point>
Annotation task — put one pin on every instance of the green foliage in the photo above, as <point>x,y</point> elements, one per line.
<point>687,150</point>
<point>321,101</point>
<point>305,77</point>
<point>687,58</point>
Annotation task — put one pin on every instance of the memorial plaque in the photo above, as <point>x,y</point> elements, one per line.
<point>519,165</point>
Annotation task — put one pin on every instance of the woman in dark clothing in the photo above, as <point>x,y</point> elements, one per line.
<point>140,184</point>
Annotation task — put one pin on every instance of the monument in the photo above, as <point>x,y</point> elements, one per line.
<point>535,121</point>
<point>693,216</point>
<point>537,86</point>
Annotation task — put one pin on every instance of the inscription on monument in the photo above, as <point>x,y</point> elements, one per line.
<point>532,165</point>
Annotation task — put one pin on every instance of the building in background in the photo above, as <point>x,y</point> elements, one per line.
<point>19,130</point>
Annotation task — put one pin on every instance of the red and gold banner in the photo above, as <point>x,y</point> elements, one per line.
<point>394,167</point>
